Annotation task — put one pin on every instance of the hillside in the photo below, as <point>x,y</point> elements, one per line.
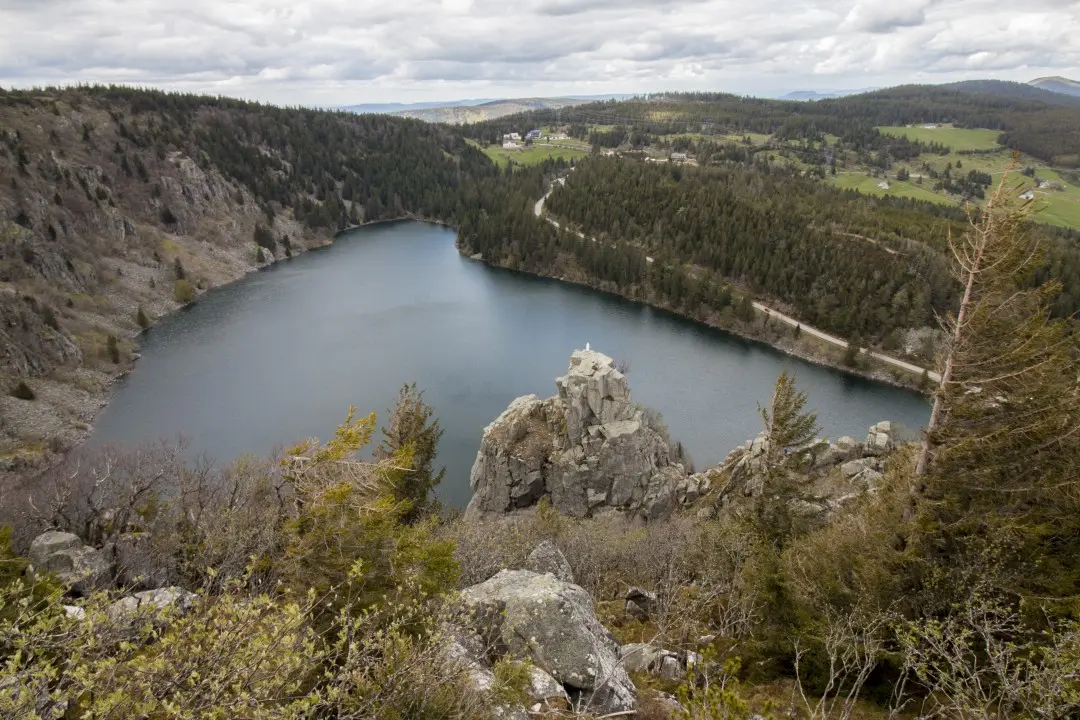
<point>1021,91</point>
<point>1057,84</point>
<point>119,205</point>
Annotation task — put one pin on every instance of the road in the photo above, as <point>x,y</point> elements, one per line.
<point>772,313</point>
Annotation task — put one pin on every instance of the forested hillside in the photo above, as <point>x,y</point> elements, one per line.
<point>118,205</point>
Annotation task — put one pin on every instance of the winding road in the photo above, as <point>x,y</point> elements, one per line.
<point>538,208</point>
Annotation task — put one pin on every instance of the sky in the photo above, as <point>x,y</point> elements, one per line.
<point>341,52</point>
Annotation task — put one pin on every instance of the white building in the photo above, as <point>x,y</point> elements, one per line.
<point>883,185</point>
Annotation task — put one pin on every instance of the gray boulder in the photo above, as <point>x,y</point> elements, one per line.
<point>552,624</point>
<point>546,558</point>
<point>82,569</point>
<point>547,691</point>
<point>639,603</point>
<point>172,599</point>
<point>593,392</point>
<point>879,440</point>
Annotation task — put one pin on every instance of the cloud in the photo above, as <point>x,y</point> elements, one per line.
<point>334,52</point>
<point>878,16</point>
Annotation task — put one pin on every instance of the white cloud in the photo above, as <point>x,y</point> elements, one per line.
<point>331,52</point>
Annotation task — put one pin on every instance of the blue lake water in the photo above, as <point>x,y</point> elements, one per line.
<point>280,355</point>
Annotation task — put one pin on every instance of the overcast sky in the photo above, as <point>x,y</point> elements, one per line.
<point>338,52</point>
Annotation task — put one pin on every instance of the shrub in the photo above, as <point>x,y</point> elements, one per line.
<point>183,292</point>
<point>22,391</point>
<point>141,318</point>
<point>167,216</point>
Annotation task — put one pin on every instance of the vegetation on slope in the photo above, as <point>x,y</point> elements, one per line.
<point>949,592</point>
<point>112,199</point>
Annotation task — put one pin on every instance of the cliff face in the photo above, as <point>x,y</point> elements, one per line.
<point>589,450</point>
<point>94,224</point>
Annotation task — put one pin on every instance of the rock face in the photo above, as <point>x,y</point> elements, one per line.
<point>588,449</point>
<point>552,624</point>
<point>83,569</point>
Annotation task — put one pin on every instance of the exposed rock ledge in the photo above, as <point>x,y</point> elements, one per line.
<point>589,450</point>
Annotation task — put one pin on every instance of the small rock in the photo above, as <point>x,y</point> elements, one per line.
<point>74,612</point>
<point>83,569</point>
<point>171,598</point>
<point>547,558</point>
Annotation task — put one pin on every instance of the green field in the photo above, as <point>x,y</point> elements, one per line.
<point>950,137</point>
<point>535,154</point>
<point>869,186</point>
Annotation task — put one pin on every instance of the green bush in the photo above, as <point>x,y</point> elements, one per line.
<point>142,318</point>
<point>183,292</point>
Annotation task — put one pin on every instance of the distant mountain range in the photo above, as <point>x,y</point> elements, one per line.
<point>476,110</point>
<point>1057,84</point>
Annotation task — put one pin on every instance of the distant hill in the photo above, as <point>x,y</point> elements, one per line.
<point>1018,91</point>
<point>1058,84</point>
<point>804,95</point>
<point>390,108</point>
<point>473,109</point>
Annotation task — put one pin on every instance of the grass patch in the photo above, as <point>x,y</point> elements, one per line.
<point>533,155</point>
<point>869,186</point>
<point>951,137</point>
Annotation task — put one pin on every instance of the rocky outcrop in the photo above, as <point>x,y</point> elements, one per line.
<point>80,568</point>
<point>589,449</point>
<point>831,474</point>
<point>553,625</point>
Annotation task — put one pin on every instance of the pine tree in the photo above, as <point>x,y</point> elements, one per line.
<point>1002,452</point>
<point>787,427</point>
<point>411,429</point>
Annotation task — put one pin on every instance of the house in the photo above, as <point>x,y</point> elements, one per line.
<point>883,185</point>
<point>532,135</point>
<point>678,157</point>
<point>515,137</point>
<point>1029,195</point>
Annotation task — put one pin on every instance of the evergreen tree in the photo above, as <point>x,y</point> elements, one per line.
<point>412,429</point>
<point>1002,452</point>
<point>787,426</point>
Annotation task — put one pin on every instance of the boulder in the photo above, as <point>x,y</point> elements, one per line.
<point>173,599</point>
<point>82,569</point>
<point>639,603</point>
<point>546,690</point>
<point>879,440</point>
<point>641,658</point>
<point>552,624</point>
<point>546,558</point>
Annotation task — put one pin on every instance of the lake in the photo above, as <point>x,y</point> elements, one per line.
<point>281,354</point>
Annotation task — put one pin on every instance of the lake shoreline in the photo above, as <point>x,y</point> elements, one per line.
<point>790,349</point>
